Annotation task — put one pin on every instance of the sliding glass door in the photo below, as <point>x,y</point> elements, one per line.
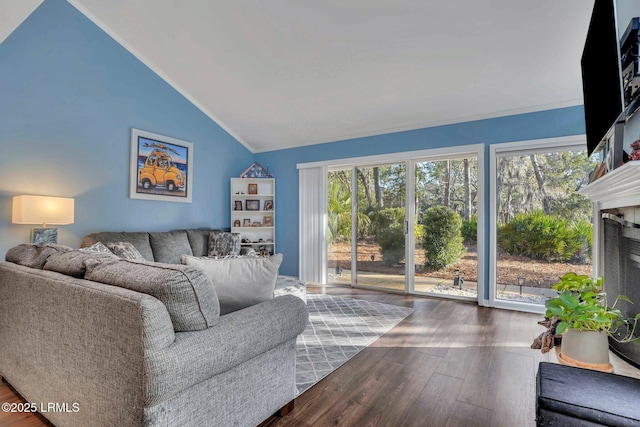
<point>381,227</point>
<point>385,224</point>
<point>446,246</point>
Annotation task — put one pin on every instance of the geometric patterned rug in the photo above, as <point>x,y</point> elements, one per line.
<point>338,329</point>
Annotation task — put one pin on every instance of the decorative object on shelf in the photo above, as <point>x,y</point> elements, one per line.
<point>252,188</point>
<point>161,168</point>
<point>255,170</point>
<point>237,206</point>
<point>246,222</point>
<point>256,224</point>
<point>267,221</point>
<point>581,315</point>
<point>253,205</point>
<point>236,223</point>
<point>43,210</point>
<point>268,205</point>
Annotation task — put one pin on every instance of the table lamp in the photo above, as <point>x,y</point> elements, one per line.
<point>43,210</point>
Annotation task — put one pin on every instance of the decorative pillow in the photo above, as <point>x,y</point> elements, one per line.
<point>186,292</point>
<point>239,282</point>
<point>223,244</point>
<point>97,247</point>
<point>34,255</point>
<point>72,263</point>
<point>125,250</point>
<point>199,240</point>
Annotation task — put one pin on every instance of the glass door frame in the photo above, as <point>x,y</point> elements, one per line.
<point>520,148</point>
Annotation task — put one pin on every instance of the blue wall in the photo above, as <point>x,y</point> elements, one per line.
<point>69,96</point>
<point>282,163</point>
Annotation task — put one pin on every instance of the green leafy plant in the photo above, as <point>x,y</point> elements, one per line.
<point>470,229</point>
<point>442,239</point>
<point>582,305</point>
<point>547,237</point>
<point>387,226</point>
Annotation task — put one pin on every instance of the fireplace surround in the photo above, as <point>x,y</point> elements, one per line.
<point>616,243</point>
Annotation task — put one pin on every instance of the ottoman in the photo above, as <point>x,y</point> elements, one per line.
<point>569,396</point>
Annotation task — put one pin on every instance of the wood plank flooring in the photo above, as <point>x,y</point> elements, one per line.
<point>449,363</point>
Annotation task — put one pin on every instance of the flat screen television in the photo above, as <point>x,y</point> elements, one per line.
<point>601,76</point>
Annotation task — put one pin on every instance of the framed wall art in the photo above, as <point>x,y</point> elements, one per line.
<point>161,168</point>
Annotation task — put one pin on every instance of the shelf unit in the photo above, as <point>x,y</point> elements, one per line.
<point>262,203</point>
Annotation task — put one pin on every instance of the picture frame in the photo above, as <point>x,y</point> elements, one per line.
<point>253,205</point>
<point>267,221</point>
<point>252,188</point>
<point>160,168</point>
<point>237,205</point>
<point>268,205</point>
<point>246,222</point>
<point>236,223</point>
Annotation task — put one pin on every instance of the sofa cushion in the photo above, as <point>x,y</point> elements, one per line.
<point>138,239</point>
<point>34,255</point>
<point>223,244</point>
<point>199,240</point>
<point>241,281</point>
<point>72,263</point>
<point>168,246</point>
<point>187,292</point>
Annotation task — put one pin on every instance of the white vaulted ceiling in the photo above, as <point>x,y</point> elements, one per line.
<point>283,73</point>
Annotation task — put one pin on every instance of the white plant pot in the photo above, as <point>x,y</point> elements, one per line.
<point>585,349</point>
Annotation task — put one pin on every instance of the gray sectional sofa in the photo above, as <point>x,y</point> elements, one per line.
<point>142,344</point>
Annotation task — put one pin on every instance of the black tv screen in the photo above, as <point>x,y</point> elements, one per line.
<point>601,78</point>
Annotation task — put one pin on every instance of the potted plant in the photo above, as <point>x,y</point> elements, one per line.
<point>581,315</point>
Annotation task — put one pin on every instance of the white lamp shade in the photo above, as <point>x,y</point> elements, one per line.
<point>42,210</point>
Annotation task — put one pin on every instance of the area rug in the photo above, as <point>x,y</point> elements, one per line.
<point>338,329</point>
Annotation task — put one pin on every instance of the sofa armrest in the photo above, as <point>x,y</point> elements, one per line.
<point>234,339</point>
<point>64,339</point>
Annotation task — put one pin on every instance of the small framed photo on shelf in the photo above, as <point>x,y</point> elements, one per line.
<point>237,205</point>
<point>252,189</point>
<point>268,205</point>
<point>267,221</point>
<point>236,223</point>
<point>246,222</point>
<point>253,205</point>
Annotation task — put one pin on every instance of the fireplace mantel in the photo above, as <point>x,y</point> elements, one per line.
<point>618,188</point>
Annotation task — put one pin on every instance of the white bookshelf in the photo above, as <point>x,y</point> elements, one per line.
<point>251,212</point>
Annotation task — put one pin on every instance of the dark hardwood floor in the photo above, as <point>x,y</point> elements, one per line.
<point>447,364</point>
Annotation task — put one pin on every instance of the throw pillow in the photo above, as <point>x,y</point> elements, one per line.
<point>97,247</point>
<point>223,244</point>
<point>239,282</point>
<point>125,250</point>
<point>34,255</point>
<point>186,292</point>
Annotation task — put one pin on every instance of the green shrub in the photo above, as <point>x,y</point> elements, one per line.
<point>387,225</point>
<point>470,229</point>
<point>442,239</point>
<point>547,237</point>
